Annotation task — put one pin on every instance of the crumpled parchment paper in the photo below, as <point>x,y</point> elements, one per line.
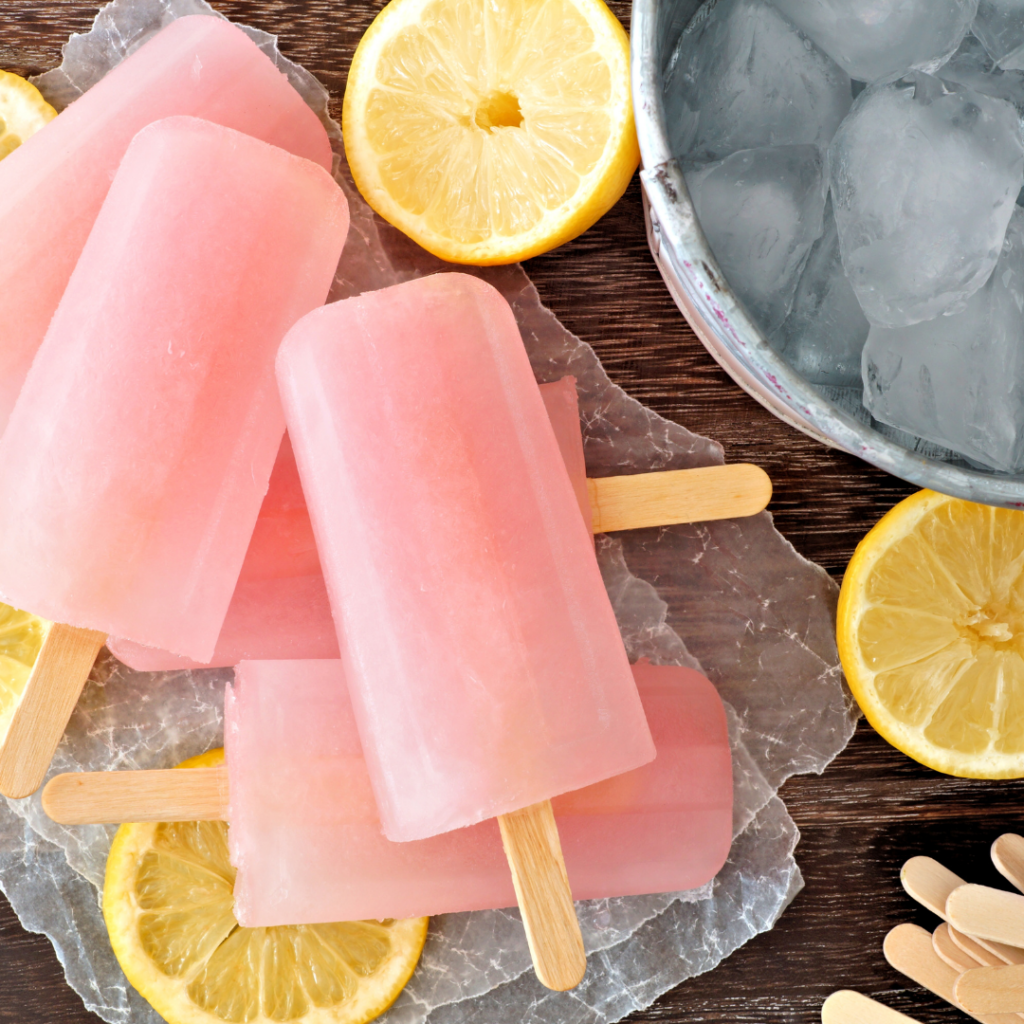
<point>733,599</point>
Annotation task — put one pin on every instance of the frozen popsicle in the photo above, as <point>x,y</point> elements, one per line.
<point>145,434</point>
<point>51,188</point>
<point>481,651</point>
<point>280,610</point>
<point>305,835</point>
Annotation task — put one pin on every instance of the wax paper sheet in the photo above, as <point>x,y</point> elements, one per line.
<point>733,599</point>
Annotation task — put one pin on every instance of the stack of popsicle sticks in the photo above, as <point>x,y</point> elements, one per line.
<point>617,503</point>
<point>974,960</point>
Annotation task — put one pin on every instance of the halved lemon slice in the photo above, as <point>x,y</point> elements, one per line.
<point>21,636</point>
<point>931,634</point>
<point>167,902</point>
<point>491,130</point>
<point>23,111</point>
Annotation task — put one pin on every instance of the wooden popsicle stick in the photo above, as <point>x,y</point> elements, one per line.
<point>930,883</point>
<point>174,794</point>
<point>908,949</point>
<point>529,836</point>
<point>987,914</point>
<point>846,1007</point>
<point>950,953</point>
<point>534,852</point>
<point>41,715</point>
<point>1008,857</point>
<point>677,496</point>
<point>992,990</point>
<point>992,954</point>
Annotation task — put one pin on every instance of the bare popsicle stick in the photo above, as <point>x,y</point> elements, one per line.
<point>992,954</point>
<point>110,798</point>
<point>992,990</point>
<point>1008,857</point>
<point>950,952</point>
<point>678,496</point>
<point>534,852</point>
<point>846,1007</point>
<point>908,948</point>
<point>930,883</point>
<point>51,692</point>
<point>987,914</point>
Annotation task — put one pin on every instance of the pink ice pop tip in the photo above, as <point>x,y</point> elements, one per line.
<point>52,187</point>
<point>305,835</point>
<point>147,428</point>
<point>482,653</point>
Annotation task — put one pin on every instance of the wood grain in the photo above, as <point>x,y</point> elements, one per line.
<point>64,662</point>
<point>677,496</point>
<point>174,794</point>
<point>871,810</point>
<point>534,853</point>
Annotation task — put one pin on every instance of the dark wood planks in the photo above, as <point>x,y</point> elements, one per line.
<point>872,809</point>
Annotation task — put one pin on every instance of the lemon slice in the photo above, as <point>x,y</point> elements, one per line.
<point>23,111</point>
<point>931,634</point>
<point>491,130</point>
<point>167,901</point>
<point>21,636</point>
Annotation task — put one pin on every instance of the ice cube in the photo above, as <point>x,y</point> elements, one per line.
<point>972,66</point>
<point>875,38</point>
<point>1000,27</point>
<point>743,77</point>
<point>959,380</point>
<point>925,175</point>
<point>761,210</point>
<point>824,334</point>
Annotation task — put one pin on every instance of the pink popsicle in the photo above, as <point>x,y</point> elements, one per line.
<point>483,657</point>
<point>305,835</point>
<point>51,188</point>
<point>279,609</point>
<point>146,431</point>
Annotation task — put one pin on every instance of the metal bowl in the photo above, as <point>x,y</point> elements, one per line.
<point>831,415</point>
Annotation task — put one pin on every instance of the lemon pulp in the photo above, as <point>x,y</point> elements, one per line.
<point>931,633</point>
<point>23,111</point>
<point>21,636</point>
<point>491,130</point>
<point>168,904</point>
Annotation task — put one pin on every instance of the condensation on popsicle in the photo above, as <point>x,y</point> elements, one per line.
<point>52,187</point>
<point>483,657</point>
<point>145,434</point>
<point>305,834</point>
<point>280,610</point>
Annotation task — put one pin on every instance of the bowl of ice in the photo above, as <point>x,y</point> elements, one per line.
<point>832,191</point>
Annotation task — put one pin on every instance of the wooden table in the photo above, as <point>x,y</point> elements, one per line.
<point>872,808</point>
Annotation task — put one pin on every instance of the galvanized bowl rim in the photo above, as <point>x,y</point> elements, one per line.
<point>733,339</point>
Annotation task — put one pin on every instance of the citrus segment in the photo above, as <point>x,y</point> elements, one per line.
<point>491,130</point>
<point>168,904</point>
<point>23,111</point>
<point>21,636</point>
<point>931,634</point>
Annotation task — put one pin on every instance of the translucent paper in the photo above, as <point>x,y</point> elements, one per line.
<point>745,607</point>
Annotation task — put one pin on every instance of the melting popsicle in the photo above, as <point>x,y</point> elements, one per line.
<point>280,610</point>
<point>144,437</point>
<point>483,659</point>
<point>305,834</point>
<point>51,188</point>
